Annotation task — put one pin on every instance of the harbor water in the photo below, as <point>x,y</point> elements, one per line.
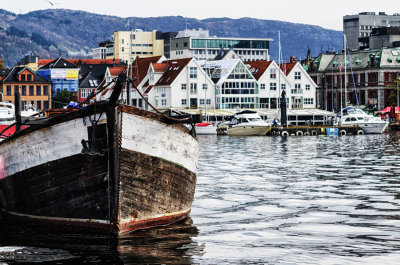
<point>259,200</point>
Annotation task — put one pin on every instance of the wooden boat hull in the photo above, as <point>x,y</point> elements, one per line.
<point>139,174</point>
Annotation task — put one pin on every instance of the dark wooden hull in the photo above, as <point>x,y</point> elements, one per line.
<point>73,188</point>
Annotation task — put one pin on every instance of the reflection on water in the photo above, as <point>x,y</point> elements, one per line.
<point>300,200</point>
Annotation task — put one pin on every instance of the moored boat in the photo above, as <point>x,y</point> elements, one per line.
<point>105,168</point>
<point>352,116</point>
<point>247,123</point>
<point>205,128</point>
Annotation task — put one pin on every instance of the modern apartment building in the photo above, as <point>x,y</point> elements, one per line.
<point>129,44</point>
<point>198,44</point>
<point>358,28</point>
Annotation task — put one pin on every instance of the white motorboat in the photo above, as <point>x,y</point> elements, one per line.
<point>357,117</point>
<point>205,128</point>
<point>247,123</point>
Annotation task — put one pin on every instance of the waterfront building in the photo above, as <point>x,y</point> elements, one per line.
<point>63,75</point>
<point>34,89</point>
<point>198,44</point>
<point>142,70</point>
<point>369,80</point>
<point>358,28</point>
<point>235,86</point>
<point>129,44</point>
<point>87,85</point>
<point>271,81</point>
<point>181,84</point>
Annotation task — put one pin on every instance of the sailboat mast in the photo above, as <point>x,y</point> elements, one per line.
<point>345,73</point>
<point>205,83</point>
<point>279,62</point>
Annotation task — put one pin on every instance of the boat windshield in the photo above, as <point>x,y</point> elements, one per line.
<point>254,119</point>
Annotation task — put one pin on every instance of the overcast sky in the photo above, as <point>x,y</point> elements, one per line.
<point>327,14</point>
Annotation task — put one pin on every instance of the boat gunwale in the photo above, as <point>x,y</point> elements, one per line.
<point>100,107</point>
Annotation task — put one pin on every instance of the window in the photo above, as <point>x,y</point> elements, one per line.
<point>163,102</point>
<point>201,101</point>
<point>307,87</point>
<point>272,86</point>
<point>297,75</point>
<point>22,77</point>
<point>183,86</point>
<point>308,101</point>
<point>193,72</point>
<point>185,44</point>
<point>193,88</point>
<point>123,49</point>
<point>8,90</point>
<point>122,41</point>
<point>38,105</point>
<point>46,104</point>
<point>45,91</point>
<point>183,102</point>
<point>156,102</point>
<point>23,104</point>
<point>272,73</point>
<point>205,86</point>
<point>208,101</point>
<point>283,86</point>
<point>23,90</point>
<point>38,90</point>
<point>16,89</point>
<point>29,77</point>
<point>83,93</point>
<point>31,90</point>
<point>262,86</point>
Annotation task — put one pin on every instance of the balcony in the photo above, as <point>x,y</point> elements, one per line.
<point>297,91</point>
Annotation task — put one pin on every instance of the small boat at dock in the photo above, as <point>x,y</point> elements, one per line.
<point>352,116</point>
<point>247,123</point>
<point>205,128</point>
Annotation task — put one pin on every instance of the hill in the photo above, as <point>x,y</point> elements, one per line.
<point>60,32</point>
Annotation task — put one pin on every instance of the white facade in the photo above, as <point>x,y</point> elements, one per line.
<point>271,84</point>
<point>191,88</point>
<point>302,94</point>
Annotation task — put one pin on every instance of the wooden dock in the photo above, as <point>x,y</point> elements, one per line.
<point>315,130</point>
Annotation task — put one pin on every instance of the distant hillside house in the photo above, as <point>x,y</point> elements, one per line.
<point>63,74</point>
<point>34,89</point>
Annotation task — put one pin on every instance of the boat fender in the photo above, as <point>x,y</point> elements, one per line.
<point>342,132</point>
<point>359,132</point>
<point>285,134</point>
<point>314,132</point>
<point>299,133</point>
<point>307,133</point>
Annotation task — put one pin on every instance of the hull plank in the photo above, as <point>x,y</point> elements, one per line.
<point>152,187</point>
<point>72,187</point>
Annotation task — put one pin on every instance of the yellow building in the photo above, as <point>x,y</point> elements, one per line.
<point>137,43</point>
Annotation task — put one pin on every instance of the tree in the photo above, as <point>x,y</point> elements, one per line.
<point>61,99</point>
<point>1,63</point>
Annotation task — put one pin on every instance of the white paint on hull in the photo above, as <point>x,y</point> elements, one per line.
<point>43,146</point>
<point>154,138</point>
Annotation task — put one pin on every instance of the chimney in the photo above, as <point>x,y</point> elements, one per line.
<point>291,59</point>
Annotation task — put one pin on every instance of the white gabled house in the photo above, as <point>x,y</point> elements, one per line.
<point>271,81</point>
<point>179,83</point>
<point>302,93</point>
